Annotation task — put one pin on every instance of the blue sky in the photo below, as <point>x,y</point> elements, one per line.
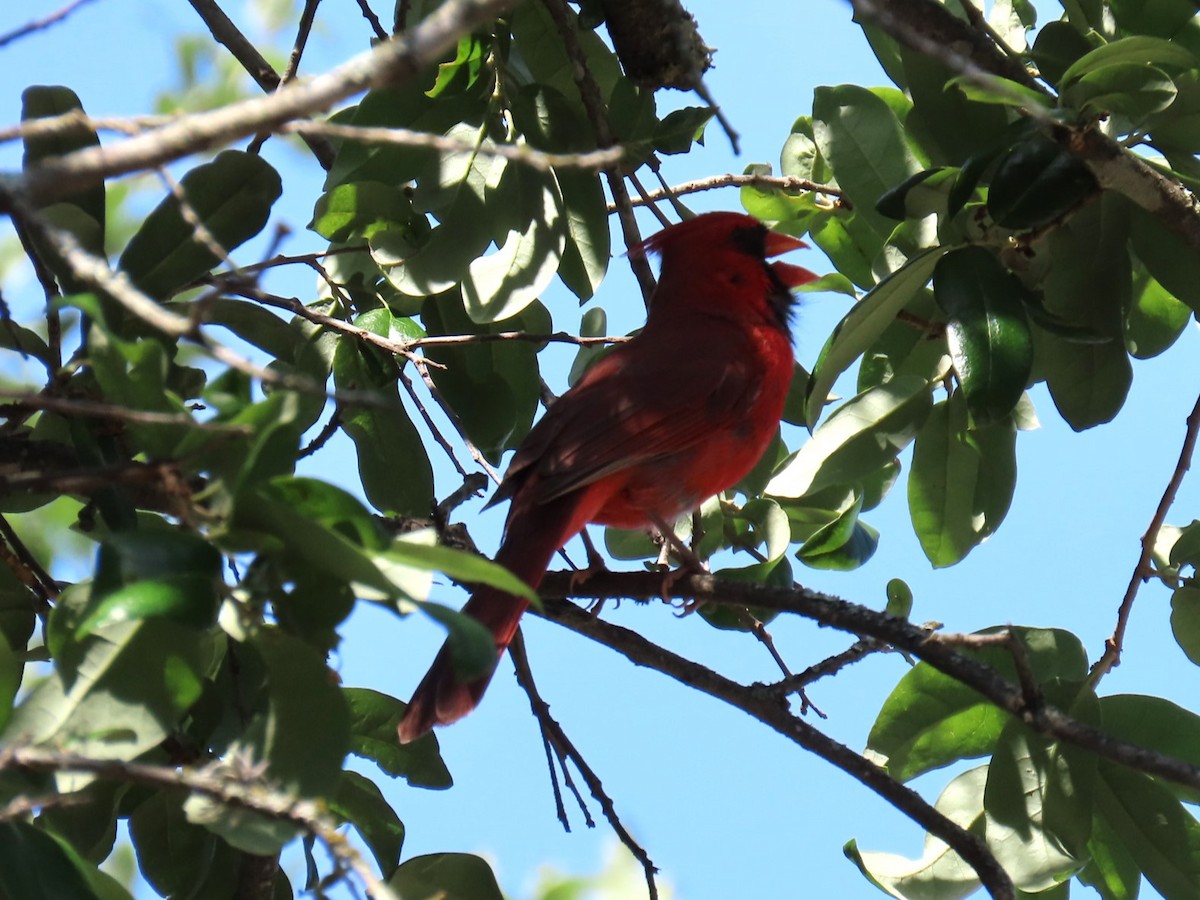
<point>724,807</point>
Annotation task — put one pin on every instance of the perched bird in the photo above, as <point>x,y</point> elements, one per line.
<point>679,413</point>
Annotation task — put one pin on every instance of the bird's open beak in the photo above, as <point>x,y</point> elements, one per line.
<point>792,276</point>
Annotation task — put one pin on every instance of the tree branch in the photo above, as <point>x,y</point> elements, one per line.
<point>900,633</point>
<point>389,63</point>
<point>771,710</point>
<point>304,814</point>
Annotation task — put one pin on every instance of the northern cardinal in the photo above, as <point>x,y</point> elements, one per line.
<point>679,413</point>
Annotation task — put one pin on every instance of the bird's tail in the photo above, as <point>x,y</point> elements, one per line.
<point>441,698</point>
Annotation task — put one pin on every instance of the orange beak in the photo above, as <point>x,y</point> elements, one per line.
<point>792,276</point>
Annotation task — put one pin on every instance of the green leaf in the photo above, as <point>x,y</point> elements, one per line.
<point>864,434</point>
<point>950,123</point>
<point>1132,90</point>
<point>961,483</point>
<point>843,544</point>
<point>1155,319</point>
<point>679,129</point>
<point>899,599</point>
<point>460,565</point>
<point>940,873</point>
<point>463,71</point>
<point>116,693</point>
<point>472,647</point>
<point>163,572</point>
<point>87,823</point>
<point>360,210</point>
<point>178,858</point>
<point>1111,870</point>
<point>1137,50</point>
<point>493,387</point>
<point>1157,724</point>
<point>1057,46</point>
<point>81,213</point>
<point>301,735</point>
<point>864,324</point>
<point>501,284</point>
<point>587,248</point>
<point>987,332</point>
<point>396,473</point>
<point>1035,182</point>
<point>931,720</point>
<point>1162,838</point>
<point>1088,382</point>
<point>360,802</point>
<point>1038,806</point>
<point>996,91</point>
<point>458,875</point>
<point>1185,620</point>
<point>374,718</point>
<point>231,196</point>
<point>862,140</point>
<point>850,243</point>
<point>34,866</point>
<point>1168,259</point>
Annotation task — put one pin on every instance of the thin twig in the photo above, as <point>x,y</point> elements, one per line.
<point>307,16</point>
<point>553,732</point>
<point>440,438</point>
<point>19,402</point>
<point>1144,569</point>
<point>39,24</point>
<point>541,160</point>
<point>222,28</point>
<point>373,20</point>
<point>597,113</point>
<point>27,568</point>
<point>780,182</point>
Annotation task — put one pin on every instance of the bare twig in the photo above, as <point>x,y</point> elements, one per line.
<point>222,28</point>
<point>94,409</point>
<point>373,20</point>
<point>554,735</point>
<point>541,160</point>
<point>557,337</point>
<point>27,568</point>
<point>597,112</point>
<point>39,24</point>
<point>1144,570</point>
<point>307,16</point>
<point>780,182</point>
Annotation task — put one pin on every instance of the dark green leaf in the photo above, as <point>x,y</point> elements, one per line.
<point>231,196</point>
<point>1035,182</point>
<point>587,249</point>
<point>899,599</point>
<point>34,866</point>
<point>88,823</point>
<point>396,473</point>
<point>1185,620</point>
<point>374,718</point>
<point>678,130</point>
<point>948,122</point>
<point>494,387</point>
<point>1057,47</point>
<point>81,213</point>
<point>987,332</point>
<point>1111,870</point>
<point>178,858</point>
<point>458,875</point>
<point>1169,260</point>
<point>1132,90</point>
<point>472,647</point>
<point>359,802</point>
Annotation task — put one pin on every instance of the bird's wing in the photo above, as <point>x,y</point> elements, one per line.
<point>635,406</point>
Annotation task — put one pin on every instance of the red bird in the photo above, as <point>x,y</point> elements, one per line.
<point>679,413</point>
